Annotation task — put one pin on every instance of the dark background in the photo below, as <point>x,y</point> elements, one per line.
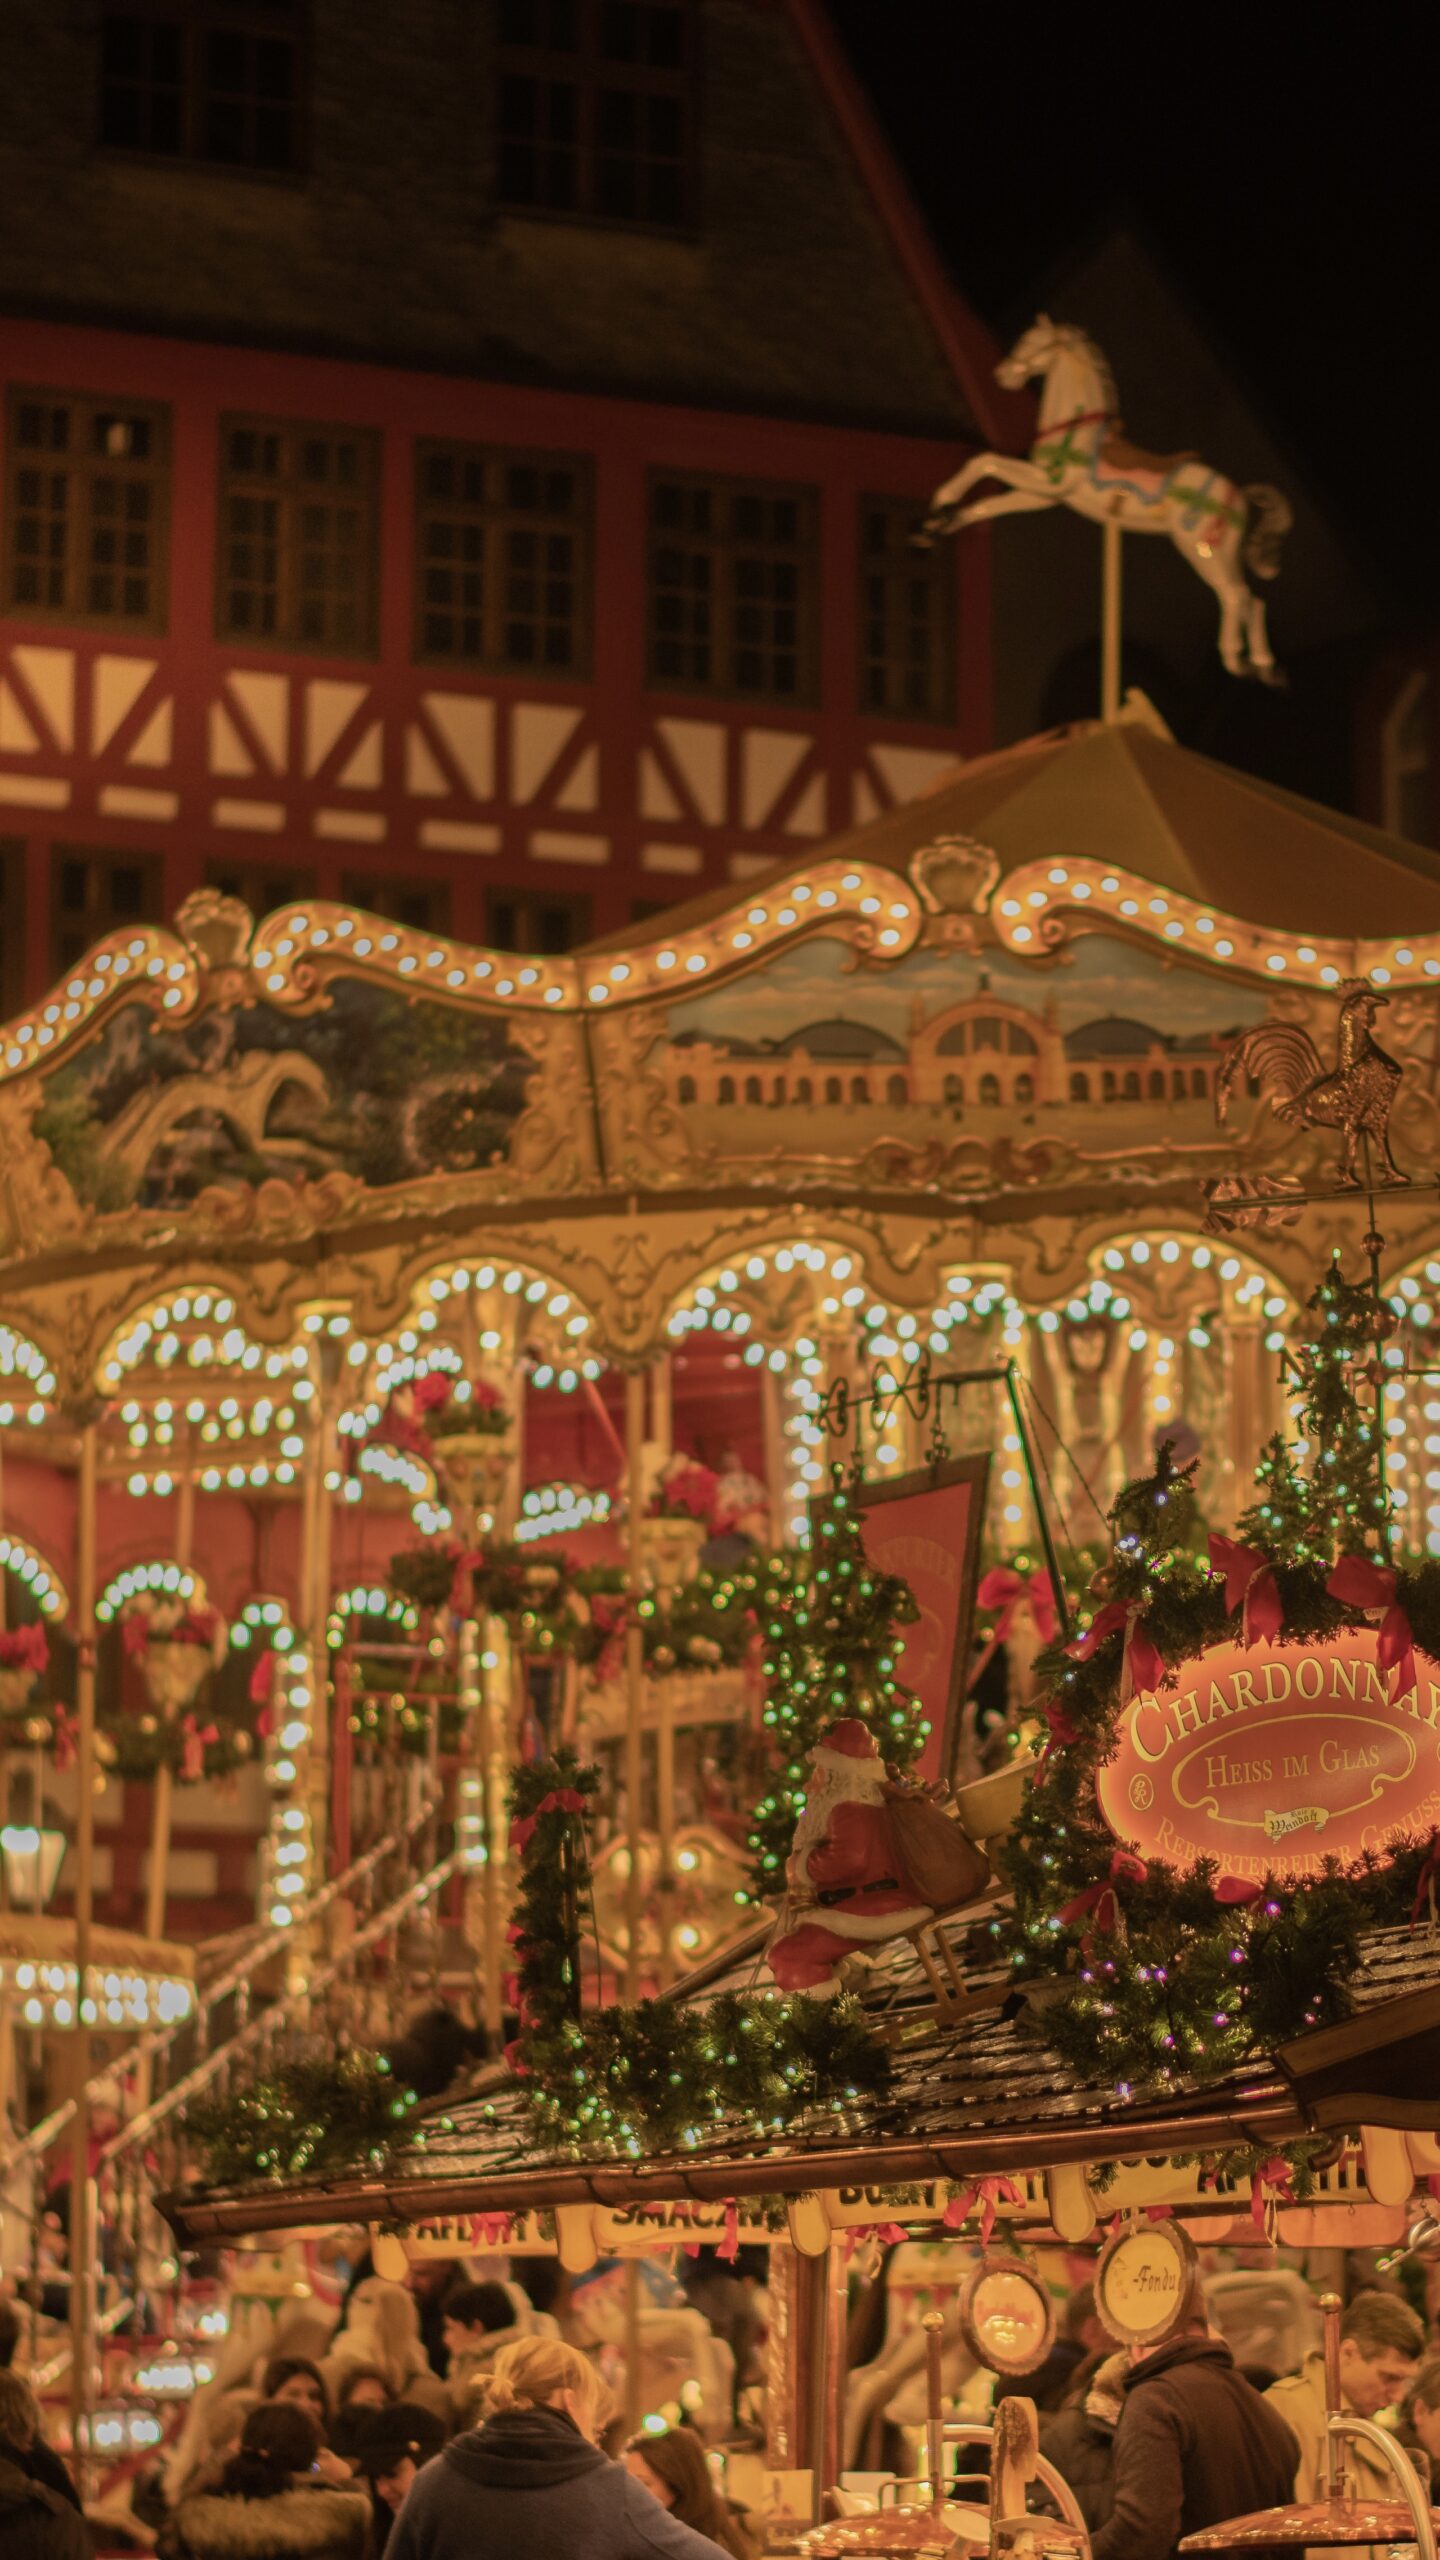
<point>1283,168</point>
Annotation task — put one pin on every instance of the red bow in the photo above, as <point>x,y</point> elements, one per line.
<point>1272,2173</point>
<point>1236,1889</point>
<point>1102,1898</point>
<point>1426,1881</point>
<point>1140,1665</point>
<point>989,2194</point>
<point>465,1561</point>
<point>559,1800</point>
<point>192,1758</point>
<point>1250,1586</point>
<point>1363,1584</point>
<point>1010,1592</point>
<point>67,1738</point>
<point>489,2230</point>
<point>729,2246</point>
<point>514,2056</point>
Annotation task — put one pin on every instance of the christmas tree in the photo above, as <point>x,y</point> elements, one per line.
<point>830,1650</point>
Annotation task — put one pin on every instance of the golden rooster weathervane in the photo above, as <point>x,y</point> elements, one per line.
<point>1355,1095</point>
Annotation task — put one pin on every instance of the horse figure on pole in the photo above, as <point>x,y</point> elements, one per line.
<point>1082,458</point>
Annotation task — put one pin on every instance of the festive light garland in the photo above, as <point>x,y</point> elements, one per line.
<point>313,2118</point>
<point>830,1650</point>
<point>1174,1973</point>
<point>653,2075</point>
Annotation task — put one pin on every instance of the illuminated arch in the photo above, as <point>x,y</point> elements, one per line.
<point>27,1381</point>
<point>34,1573</point>
<point>162,1574</point>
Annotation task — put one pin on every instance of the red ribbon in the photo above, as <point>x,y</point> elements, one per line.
<point>192,1759</point>
<point>67,1738</point>
<point>989,2194</point>
<point>1250,1586</point>
<point>1272,2173</point>
<point>1102,1898</point>
<point>514,2055</point>
<point>729,2246</point>
<point>1234,1890</point>
<point>1427,1880</point>
<point>489,2230</point>
<point>1140,1665</point>
<point>1010,1592</point>
<point>1363,1584</point>
<point>559,1800</point>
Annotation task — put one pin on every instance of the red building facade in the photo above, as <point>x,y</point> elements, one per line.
<point>508,541</point>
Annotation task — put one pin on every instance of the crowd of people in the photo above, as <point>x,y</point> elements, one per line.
<point>440,2418</point>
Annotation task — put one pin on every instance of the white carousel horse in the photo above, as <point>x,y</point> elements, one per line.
<point>1082,458</point>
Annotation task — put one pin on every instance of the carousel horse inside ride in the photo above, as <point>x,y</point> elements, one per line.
<point>1081,457</point>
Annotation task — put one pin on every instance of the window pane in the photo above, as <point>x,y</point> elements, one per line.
<point>500,583</point>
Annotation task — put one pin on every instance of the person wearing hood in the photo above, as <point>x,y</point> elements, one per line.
<point>36,2523</point>
<point>1079,2436</point>
<point>1194,2446</point>
<point>532,2482</point>
<point>269,2504</point>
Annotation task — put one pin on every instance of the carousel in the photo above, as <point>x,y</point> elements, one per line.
<point>419,1362</point>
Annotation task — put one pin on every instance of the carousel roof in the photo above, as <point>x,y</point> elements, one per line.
<point>967,2098</point>
<point>1130,795</point>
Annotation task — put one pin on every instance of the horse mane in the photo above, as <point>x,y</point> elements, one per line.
<point>1081,340</point>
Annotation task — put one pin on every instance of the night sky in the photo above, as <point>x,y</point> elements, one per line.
<point>1281,164</point>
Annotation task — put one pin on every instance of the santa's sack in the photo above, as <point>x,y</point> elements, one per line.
<point>932,1853</point>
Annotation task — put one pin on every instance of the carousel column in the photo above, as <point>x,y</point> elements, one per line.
<point>162,1811</point>
<point>806,2380</point>
<point>662,1440</point>
<point>1254,1398</point>
<point>82,2212</point>
<point>634,1667</point>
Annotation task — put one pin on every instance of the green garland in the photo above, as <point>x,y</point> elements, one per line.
<point>830,1651</point>
<point>1185,1984</point>
<point>306,2119</point>
<point>653,2074</point>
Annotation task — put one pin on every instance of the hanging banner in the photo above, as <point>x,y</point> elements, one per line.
<point>464,2235</point>
<point>926,1528</point>
<point>1276,1757</point>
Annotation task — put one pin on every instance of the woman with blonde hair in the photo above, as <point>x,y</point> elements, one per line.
<point>532,2481</point>
<point>383,2334</point>
<point>674,2467</point>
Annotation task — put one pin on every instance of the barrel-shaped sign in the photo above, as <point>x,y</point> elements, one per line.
<point>1275,1757</point>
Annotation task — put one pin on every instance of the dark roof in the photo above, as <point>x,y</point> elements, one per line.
<point>967,2098</point>
<point>1114,1035</point>
<point>839,1039</point>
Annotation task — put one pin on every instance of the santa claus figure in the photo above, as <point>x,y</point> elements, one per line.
<point>846,1888</point>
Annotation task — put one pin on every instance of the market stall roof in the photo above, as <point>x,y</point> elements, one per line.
<point>1128,794</point>
<point>967,2099</point>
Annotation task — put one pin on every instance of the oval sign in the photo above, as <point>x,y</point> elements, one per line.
<point>1143,2280</point>
<point>1276,1757</point>
<point>1006,2315</point>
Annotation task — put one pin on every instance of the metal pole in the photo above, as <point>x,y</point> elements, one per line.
<point>1042,1522</point>
<point>162,1811</point>
<point>1110,622</point>
<point>81,2322</point>
<point>634,1666</point>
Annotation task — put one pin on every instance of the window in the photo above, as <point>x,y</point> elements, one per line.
<point>685,1090</point>
<point>1199,1084</point>
<point>1024,1089</point>
<point>216,80</point>
<point>725,1089</point>
<point>1079,1085</point>
<point>907,615</point>
<point>422,904</point>
<point>752,1089</point>
<point>804,1090</point>
<point>896,1090</point>
<point>86,505</point>
<point>1131,1091</point>
<point>834,1090</point>
<point>734,578</point>
<point>299,535</point>
<point>954,1088</point>
<point>93,893</point>
<point>503,575</point>
<point>12,926</point>
<point>990,1089</point>
<point>262,886</point>
<point>595,109</point>
<point>543,926</point>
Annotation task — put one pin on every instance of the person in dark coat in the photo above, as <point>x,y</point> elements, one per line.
<point>36,2523</point>
<point>393,2449</point>
<point>270,2504</point>
<point>1079,2437</point>
<point>532,2483</point>
<point>1195,2446</point>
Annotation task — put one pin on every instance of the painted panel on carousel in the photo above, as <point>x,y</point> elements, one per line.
<point>962,1068</point>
